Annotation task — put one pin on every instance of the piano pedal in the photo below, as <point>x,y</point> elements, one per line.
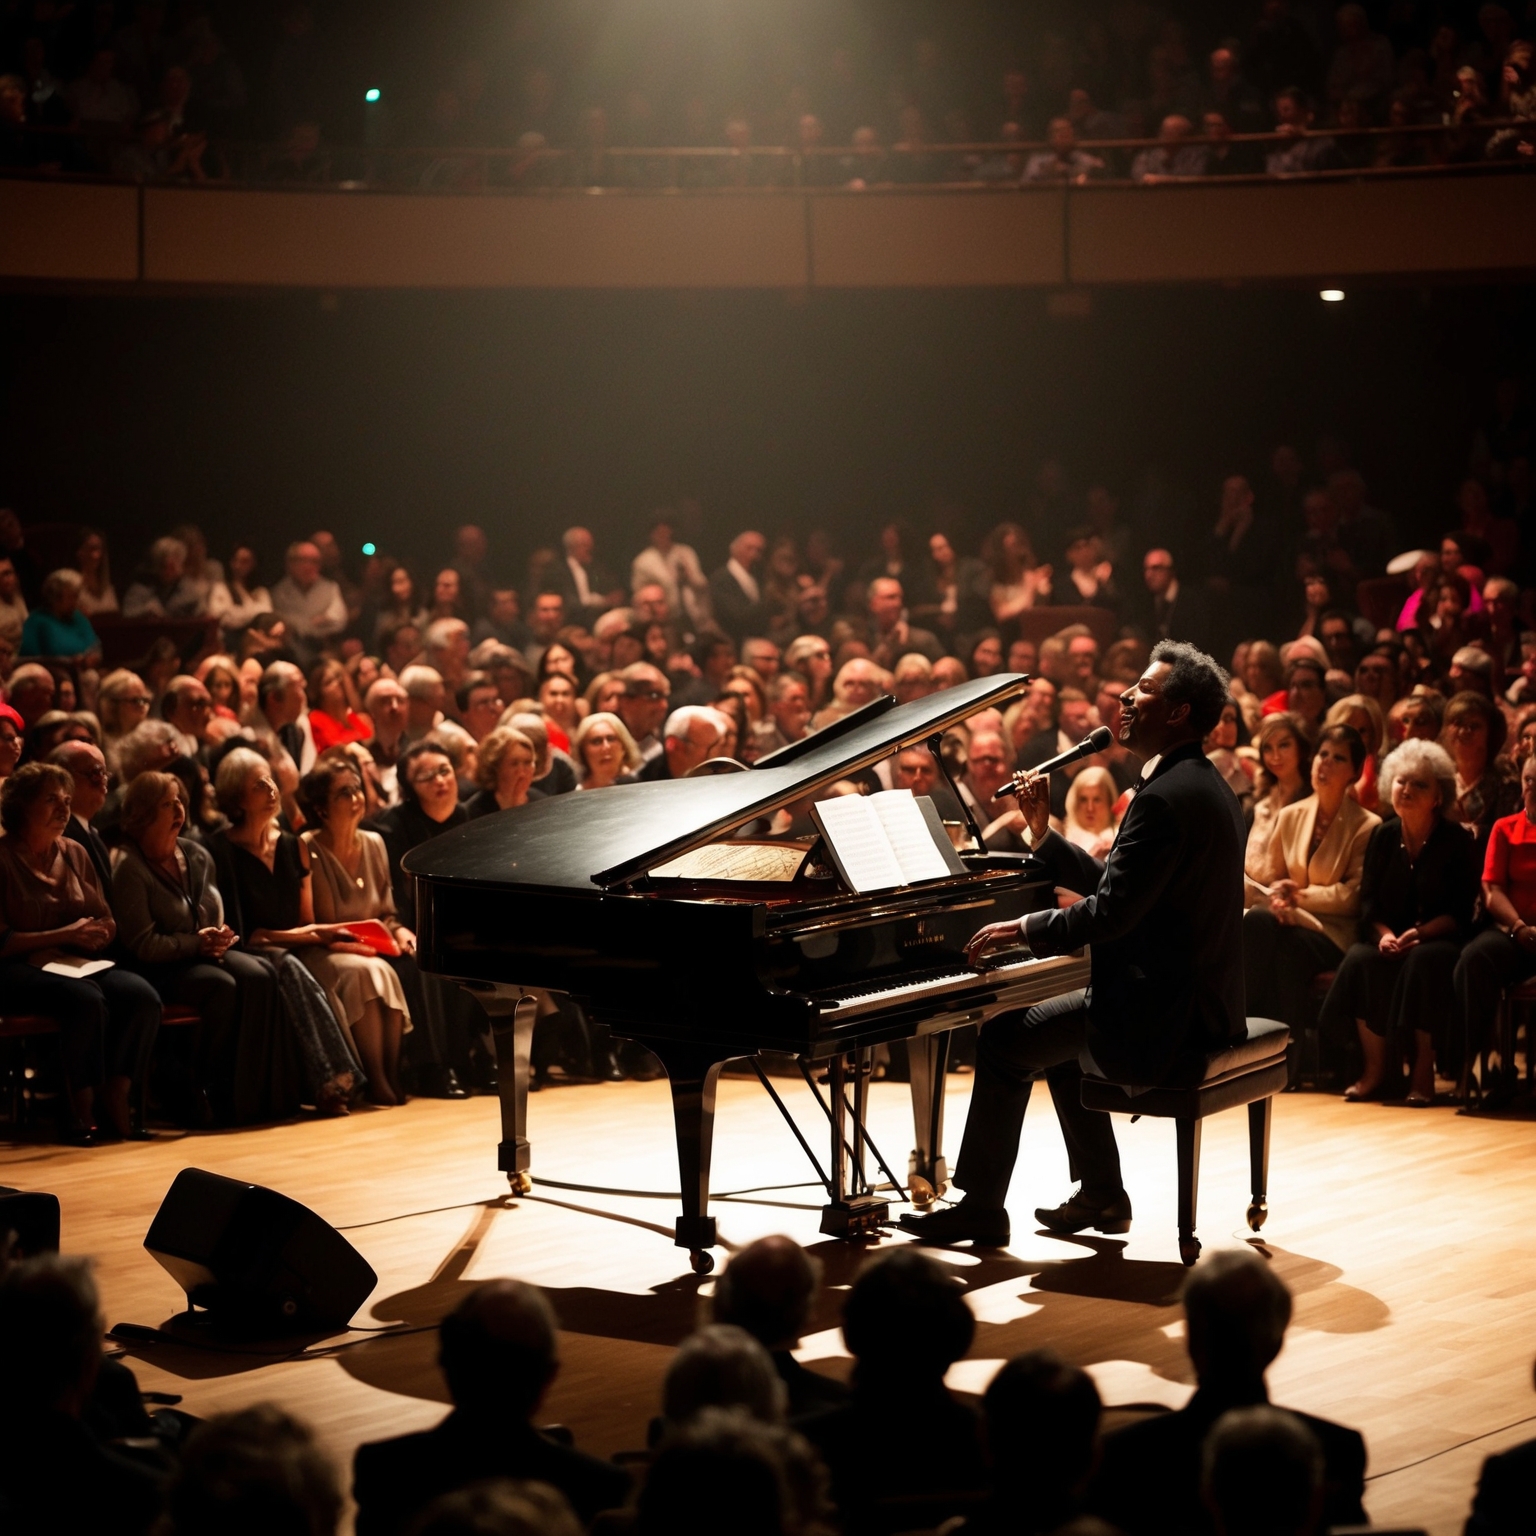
<point>861,1216</point>
<point>922,1193</point>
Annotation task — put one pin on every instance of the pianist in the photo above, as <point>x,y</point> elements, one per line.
<point>1163,914</point>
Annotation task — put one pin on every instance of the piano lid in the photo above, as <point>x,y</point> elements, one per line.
<point>603,838</point>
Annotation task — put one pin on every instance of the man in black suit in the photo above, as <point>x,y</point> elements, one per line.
<point>84,763</point>
<point>587,588</point>
<point>497,1351</point>
<point>735,594</point>
<point>691,736</point>
<point>1164,918</point>
<point>1167,607</point>
<point>1236,1311</point>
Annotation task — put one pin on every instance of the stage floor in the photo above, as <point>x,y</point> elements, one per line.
<point>1405,1235</point>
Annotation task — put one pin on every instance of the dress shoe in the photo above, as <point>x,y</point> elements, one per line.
<point>440,1083</point>
<point>963,1223</point>
<point>1078,1214</point>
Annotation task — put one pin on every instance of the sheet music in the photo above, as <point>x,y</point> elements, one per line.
<point>910,837</point>
<point>859,842</point>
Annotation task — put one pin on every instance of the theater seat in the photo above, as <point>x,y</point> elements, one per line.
<point>1251,1072</point>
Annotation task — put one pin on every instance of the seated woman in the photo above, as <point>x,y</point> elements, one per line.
<point>1504,953</point>
<point>1365,715</point>
<point>122,704</point>
<point>220,675</point>
<point>1315,858</point>
<point>1285,766</point>
<point>605,752</point>
<point>170,919</point>
<point>13,731</point>
<point>53,910</point>
<point>1486,786</point>
<point>333,707</point>
<point>1221,748</point>
<point>557,697</point>
<point>263,874</point>
<point>350,883</point>
<point>58,627</point>
<point>1417,894</point>
<point>1090,821</point>
<point>504,771</point>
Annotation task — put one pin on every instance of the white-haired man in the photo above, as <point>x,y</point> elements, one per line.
<point>310,605</point>
<point>691,736</point>
<point>587,588</point>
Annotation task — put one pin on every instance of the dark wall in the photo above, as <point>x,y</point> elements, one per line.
<point>393,417</point>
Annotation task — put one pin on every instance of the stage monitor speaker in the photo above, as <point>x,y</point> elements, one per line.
<point>254,1258</point>
<point>32,1218</point>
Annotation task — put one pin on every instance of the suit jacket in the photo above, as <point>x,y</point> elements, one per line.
<point>95,845</point>
<point>558,578</point>
<point>1502,1504</point>
<point>1329,898</point>
<point>1149,1479</point>
<point>1189,618</point>
<point>734,611</point>
<point>394,1480</point>
<point>1164,914</point>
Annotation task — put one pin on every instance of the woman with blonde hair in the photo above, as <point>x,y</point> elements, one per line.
<point>1089,821</point>
<point>1285,764</point>
<point>603,694</point>
<point>122,705</point>
<point>860,681</point>
<point>505,770</point>
<point>1365,715</point>
<point>605,752</point>
<point>220,675</point>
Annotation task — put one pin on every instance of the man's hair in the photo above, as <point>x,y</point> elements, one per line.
<point>722,1366</point>
<point>1196,680</point>
<point>782,682</point>
<point>767,1288</point>
<point>1042,1420</point>
<point>500,1506</point>
<point>170,700</point>
<point>472,680</point>
<point>1263,1472</point>
<point>682,720</point>
<point>497,1348</point>
<point>723,1471</point>
<point>374,687</point>
<point>145,742</point>
<point>1236,1310</point>
<point>277,677</point>
<point>421,682</point>
<point>50,1325</point>
<point>258,1472</point>
<point>906,1316</point>
<point>442,632</point>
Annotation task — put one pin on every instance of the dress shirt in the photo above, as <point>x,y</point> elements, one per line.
<point>745,580</point>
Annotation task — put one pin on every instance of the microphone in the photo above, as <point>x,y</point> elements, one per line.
<point>1099,740</point>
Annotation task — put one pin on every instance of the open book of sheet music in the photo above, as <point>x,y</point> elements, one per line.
<point>879,842</point>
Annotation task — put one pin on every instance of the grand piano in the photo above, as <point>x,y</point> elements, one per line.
<point>667,912</point>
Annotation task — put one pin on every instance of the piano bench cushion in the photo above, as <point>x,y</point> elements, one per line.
<point>1237,1074</point>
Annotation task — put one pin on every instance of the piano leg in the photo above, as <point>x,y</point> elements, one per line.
<point>856,1212</point>
<point>929,1059</point>
<point>512,1012</point>
<point>693,1076</point>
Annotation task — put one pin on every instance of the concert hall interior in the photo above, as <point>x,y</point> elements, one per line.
<point>765,765</point>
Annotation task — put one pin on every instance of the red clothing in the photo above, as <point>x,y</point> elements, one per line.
<point>330,732</point>
<point>1276,703</point>
<point>557,737</point>
<point>1511,862</point>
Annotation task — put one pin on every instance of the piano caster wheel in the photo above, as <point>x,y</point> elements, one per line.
<point>702,1263</point>
<point>1189,1249</point>
<point>1258,1214</point>
<point>521,1182</point>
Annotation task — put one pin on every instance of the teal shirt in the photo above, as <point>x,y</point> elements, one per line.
<point>45,635</point>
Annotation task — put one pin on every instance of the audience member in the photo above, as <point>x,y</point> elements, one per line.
<point>604,751</point>
<point>1263,1448</point>
<point>310,605</point>
<point>691,735</point>
<point>735,594</point>
<point>506,764</point>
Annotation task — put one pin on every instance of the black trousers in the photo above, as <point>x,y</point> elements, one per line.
<point>1014,1050</point>
<point>1488,964</point>
<point>1280,964</point>
<point>107,1022</point>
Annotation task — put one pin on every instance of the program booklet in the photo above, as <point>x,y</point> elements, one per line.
<point>879,842</point>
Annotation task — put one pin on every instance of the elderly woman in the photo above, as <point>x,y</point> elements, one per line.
<point>263,874</point>
<point>1417,894</point>
<point>1486,787</point>
<point>12,733</point>
<point>1304,909</point>
<point>1089,822</point>
<point>350,883</point>
<point>504,772</point>
<point>1285,766</point>
<point>122,702</point>
<point>58,626</point>
<point>53,912</point>
<point>442,1048</point>
<point>1504,953</point>
<point>859,682</point>
<point>170,919</point>
<point>1364,714</point>
<point>605,752</point>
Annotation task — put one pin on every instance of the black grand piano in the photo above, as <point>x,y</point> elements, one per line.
<point>669,915</point>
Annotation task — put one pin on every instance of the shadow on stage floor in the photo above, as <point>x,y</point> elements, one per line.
<point>1093,1304</point>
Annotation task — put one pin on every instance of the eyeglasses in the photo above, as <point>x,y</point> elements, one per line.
<point>143,700</point>
<point>92,775</point>
<point>650,693</point>
<point>199,704</point>
<point>444,772</point>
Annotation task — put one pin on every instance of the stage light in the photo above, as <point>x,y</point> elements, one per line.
<point>370,549</point>
<point>372,93</point>
<point>1332,295</point>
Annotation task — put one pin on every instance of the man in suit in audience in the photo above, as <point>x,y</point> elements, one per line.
<point>497,1350</point>
<point>735,595</point>
<point>587,588</point>
<point>1236,1311</point>
<point>690,737</point>
<point>1167,607</point>
<point>84,763</point>
<point>1163,914</point>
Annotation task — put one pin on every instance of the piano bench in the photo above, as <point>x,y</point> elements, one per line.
<point>1249,1072</point>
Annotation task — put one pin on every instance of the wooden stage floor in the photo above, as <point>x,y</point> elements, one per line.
<point>1405,1235</point>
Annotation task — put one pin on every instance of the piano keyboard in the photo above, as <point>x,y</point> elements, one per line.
<point>851,1002</point>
